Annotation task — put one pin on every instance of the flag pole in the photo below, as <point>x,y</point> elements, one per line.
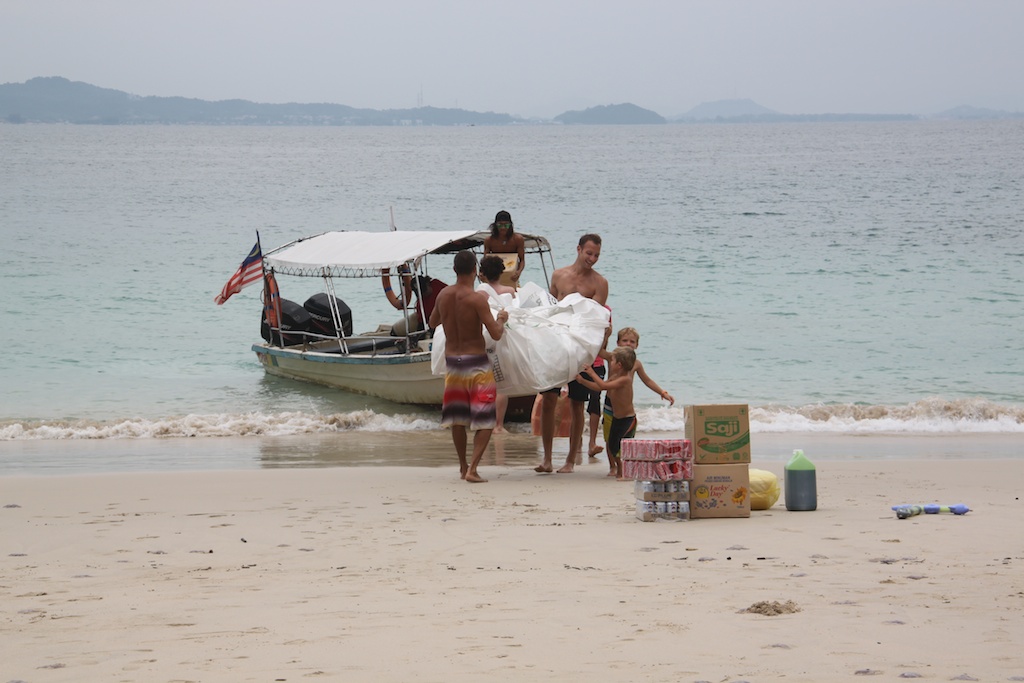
<point>260,247</point>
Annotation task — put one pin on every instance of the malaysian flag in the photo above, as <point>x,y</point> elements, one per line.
<point>249,272</point>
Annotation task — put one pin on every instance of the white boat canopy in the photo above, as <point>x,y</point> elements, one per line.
<point>365,254</point>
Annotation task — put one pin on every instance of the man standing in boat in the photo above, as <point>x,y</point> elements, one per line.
<point>579,277</point>
<point>506,241</point>
<point>469,386</point>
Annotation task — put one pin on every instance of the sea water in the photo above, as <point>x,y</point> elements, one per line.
<point>844,277</point>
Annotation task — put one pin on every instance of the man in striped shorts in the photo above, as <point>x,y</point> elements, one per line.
<point>469,386</point>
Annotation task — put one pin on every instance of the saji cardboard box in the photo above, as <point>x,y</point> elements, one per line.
<point>719,434</point>
<point>720,491</point>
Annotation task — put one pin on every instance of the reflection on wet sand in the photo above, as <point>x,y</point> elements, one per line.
<point>433,448</point>
<point>412,449</point>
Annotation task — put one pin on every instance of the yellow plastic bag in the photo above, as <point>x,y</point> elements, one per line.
<point>764,489</point>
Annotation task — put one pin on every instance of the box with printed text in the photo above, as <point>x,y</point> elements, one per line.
<point>719,434</point>
<point>720,491</point>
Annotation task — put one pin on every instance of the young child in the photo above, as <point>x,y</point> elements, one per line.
<point>619,388</point>
<point>628,337</point>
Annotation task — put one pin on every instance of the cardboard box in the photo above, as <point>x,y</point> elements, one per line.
<point>642,490</point>
<point>718,434</point>
<point>720,491</point>
<point>511,263</point>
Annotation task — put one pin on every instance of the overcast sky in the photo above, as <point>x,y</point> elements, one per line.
<point>533,57</point>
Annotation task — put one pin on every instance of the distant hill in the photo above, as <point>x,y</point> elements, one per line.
<point>965,112</point>
<point>724,109</point>
<point>748,111</point>
<point>611,114</point>
<point>58,100</point>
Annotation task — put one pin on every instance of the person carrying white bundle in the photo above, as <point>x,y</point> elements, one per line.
<point>544,344</point>
<point>491,270</point>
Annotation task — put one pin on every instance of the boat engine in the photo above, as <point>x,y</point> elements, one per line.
<point>294,319</point>
<point>321,321</point>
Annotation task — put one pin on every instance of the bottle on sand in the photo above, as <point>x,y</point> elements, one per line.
<point>801,483</point>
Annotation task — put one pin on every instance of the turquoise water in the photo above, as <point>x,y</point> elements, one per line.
<point>836,277</point>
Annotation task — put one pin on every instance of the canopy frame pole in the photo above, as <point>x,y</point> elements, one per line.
<point>332,299</point>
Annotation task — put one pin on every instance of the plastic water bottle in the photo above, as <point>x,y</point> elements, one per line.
<point>801,483</point>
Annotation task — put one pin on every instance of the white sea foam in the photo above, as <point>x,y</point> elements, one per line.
<point>927,417</point>
<point>933,415</point>
<point>221,425</point>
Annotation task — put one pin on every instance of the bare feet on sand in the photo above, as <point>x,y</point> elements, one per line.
<point>543,469</point>
<point>474,478</point>
<point>567,468</point>
<point>595,450</point>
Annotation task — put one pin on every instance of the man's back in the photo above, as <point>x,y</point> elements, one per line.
<point>500,288</point>
<point>460,310</point>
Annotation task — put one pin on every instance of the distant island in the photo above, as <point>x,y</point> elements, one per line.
<point>58,100</point>
<point>748,111</point>
<point>611,114</point>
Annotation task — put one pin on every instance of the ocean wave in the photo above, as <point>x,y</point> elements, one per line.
<point>217,425</point>
<point>929,416</point>
<point>932,415</point>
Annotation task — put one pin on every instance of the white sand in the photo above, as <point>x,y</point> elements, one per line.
<point>395,574</point>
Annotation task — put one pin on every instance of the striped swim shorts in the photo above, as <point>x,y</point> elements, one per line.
<point>469,392</point>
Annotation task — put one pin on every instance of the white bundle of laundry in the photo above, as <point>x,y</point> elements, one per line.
<point>545,342</point>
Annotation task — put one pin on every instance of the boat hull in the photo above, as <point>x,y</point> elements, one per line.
<point>401,378</point>
<point>397,378</point>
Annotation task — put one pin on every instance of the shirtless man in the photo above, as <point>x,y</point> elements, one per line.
<point>469,387</point>
<point>579,277</point>
<point>505,240</point>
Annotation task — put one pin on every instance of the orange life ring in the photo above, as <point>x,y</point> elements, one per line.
<point>271,300</point>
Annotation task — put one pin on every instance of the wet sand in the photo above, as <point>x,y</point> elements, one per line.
<point>433,449</point>
<point>277,572</point>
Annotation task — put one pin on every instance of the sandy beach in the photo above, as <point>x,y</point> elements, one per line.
<point>392,573</point>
